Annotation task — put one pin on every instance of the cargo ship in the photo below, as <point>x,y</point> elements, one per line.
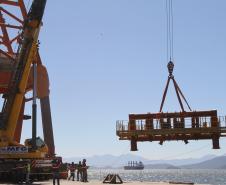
<point>134,165</point>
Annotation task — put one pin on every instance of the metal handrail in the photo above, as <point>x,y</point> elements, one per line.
<point>123,125</point>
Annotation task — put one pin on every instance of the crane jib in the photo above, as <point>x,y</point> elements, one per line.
<point>25,52</point>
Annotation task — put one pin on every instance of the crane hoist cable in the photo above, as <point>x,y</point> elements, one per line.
<point>170,59</point>
<point>169,29</point>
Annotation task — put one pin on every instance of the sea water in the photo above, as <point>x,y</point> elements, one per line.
<point>215,177</point>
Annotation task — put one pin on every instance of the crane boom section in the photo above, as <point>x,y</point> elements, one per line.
<point>26,55</point>
<point>16,106</point>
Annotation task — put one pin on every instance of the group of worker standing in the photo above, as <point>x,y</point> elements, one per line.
<point>81,168</point>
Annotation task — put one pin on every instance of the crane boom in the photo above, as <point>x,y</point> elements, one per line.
<point>26,54</point>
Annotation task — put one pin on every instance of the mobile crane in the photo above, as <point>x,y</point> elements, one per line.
<point>12,17</point>
<point>20,76</point>
<point>14,98</point>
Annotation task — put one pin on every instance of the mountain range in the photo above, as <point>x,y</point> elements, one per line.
<point>111,161</point>
<point>215,163</point>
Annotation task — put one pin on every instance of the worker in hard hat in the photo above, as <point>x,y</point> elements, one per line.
<point>84,171</point>
<point>20,170</point>
<point>28,173</point>
<point>79,171</point>
<point>56,171</point>
<point>72,170</point>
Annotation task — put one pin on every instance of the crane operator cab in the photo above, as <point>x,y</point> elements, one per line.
<point>40,144</point>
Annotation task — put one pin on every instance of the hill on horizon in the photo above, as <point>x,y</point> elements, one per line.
<point>103,161</point>
<point>215,163</point>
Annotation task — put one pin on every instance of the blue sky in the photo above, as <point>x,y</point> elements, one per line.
<point>107,58</point>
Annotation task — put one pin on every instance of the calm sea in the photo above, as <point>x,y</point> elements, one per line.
<point>215,177</point>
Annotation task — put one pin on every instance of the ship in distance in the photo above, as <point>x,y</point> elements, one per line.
<point>134,165</point>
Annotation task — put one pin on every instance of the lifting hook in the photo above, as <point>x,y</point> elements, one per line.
<point>170,67</point>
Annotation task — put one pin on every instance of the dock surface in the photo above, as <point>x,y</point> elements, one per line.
<point>96,182</point>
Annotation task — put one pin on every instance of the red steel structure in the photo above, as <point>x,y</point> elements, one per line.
<point>12,16</point>
<point>16,23</point>
<point>185,126</point>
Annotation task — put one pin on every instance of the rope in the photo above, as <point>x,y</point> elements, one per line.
<point>172,32</point>
<point>169,32</point>
<point>169,29</point>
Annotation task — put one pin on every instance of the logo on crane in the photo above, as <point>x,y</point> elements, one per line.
<point>13,150</point>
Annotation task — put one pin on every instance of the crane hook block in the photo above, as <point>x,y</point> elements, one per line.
<point>170,67</point>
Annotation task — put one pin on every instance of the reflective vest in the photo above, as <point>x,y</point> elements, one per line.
<point>56,166</point>
<point>72,168</point>
<point>28,167</point>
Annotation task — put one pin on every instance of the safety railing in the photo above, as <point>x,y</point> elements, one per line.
<point>141,125</point>
<point>222,121</point>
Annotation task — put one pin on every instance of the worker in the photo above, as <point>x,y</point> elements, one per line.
<point>68,171</point>
<point>28,173</point>
<point>56,171</point>
<point>79,171</point>
<point>20,171</point>
<point>72,170</point>
<point>84,171</point>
